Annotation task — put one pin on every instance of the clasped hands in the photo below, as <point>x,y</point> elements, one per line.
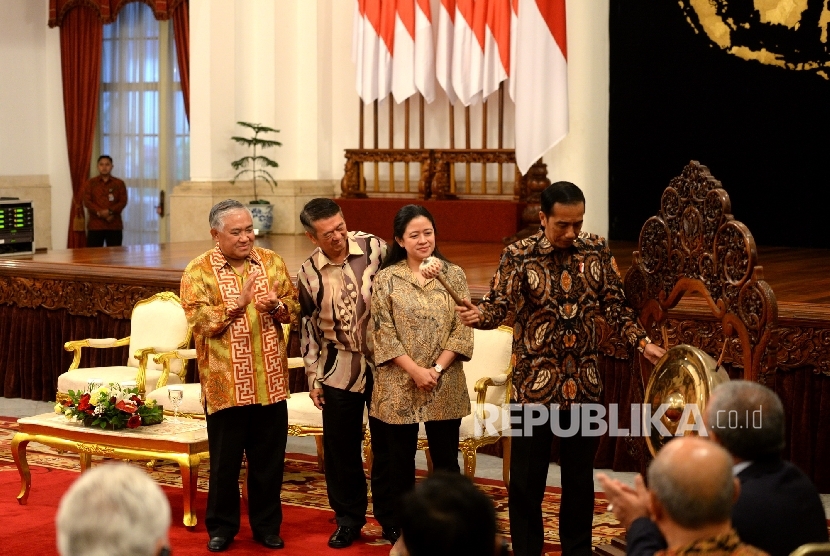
<point>426,379</point>
<point>106,214</point>
<point>264,304</point>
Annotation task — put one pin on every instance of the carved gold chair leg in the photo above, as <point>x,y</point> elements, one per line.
<point>507,443</point>
<point>368,456</point>
<point>321,462</point>
<point>469,455</point>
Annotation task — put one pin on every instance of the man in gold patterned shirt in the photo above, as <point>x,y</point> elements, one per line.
<point>235,297</point>
<point>557,282</point>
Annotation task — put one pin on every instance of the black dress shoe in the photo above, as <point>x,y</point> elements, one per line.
<point>344,536</point>
<point>218,544</point>
<point>270,541</point>
<point>391,534</point>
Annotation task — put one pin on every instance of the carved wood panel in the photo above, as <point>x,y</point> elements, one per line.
<point>78,297</point>
<point>694,245</point>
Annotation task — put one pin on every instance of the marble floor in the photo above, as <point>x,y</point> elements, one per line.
<point>487,466</point>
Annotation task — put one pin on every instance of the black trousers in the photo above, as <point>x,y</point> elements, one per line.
<point>260,431</point>
<point>342,449</point>
<point>393,468</point>
<point>96,238</point>
<point>529,461</point>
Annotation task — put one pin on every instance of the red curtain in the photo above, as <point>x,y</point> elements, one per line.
<point>181,30</point>
<point>81,43</point>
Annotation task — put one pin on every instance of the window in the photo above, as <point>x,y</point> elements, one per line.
<point>142,123</point>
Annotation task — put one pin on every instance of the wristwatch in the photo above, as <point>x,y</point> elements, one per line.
<point>641,345</point>
<point>438,368</point>
<point>276,308</point>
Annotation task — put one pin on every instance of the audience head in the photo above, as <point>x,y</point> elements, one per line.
<point>562,192</point>
<point>409,220</point>
<point>747,419</point>
<point>114,508</point>
<point>325,227</point>
<point>221,210</point>
<point>691,484</point>
<point>446,514</point>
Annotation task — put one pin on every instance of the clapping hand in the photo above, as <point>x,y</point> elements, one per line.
<point>625,502</point>
<point>268,303</point>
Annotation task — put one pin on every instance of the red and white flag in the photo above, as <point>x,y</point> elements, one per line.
<point>444,48</point>
<point>541,74</point>
<point>496,46</point>
<point>413,63</point>
<point>372,46</point>
<point>468,50</point>
<point>514,32</point>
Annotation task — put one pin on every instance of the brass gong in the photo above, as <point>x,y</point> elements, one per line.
<point>684,375</point>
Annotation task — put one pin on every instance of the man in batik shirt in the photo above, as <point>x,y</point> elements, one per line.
<point>236,296</point>
<point>557,282</point>
<point>335,288</point>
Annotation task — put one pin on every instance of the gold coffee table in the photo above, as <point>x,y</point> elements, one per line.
<point>185,443</point>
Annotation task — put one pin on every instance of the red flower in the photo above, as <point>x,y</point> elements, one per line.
<point>135,399</point>
<point>126,407</point>
<point>134,422</point>
<point>83,404</point>
<point>112,400</point>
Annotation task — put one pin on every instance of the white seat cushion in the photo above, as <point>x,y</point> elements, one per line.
<point>78,379</point>
<point>467,429</point>
<point>301,411</point>
<point>191,399</point>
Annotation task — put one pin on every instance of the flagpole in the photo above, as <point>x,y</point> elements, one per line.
<point>391,143</point>
<point>377,167</point>
<point>406,145</point>
<point>483,145</point>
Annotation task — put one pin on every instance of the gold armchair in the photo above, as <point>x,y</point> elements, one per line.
<point>191,405</point>
<point>812,549</point>
<point>157,324</point>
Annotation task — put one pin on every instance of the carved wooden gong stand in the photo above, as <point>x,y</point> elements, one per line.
<point>694,245</point>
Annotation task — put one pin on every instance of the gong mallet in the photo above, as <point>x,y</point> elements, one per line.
<point>432,267</point>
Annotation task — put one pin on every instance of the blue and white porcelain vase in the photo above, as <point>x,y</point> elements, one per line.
<point>263,215</point>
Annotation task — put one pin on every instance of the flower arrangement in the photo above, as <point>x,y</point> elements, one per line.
<point>114,406</point>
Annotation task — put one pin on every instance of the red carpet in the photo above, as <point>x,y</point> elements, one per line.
<point>307,519</point>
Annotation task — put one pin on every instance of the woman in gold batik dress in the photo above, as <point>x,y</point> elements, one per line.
<point>420,344</point>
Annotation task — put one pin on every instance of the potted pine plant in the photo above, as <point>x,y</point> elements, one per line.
<point>257,165</point>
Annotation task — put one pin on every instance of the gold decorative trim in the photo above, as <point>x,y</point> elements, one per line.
<point>94,449</point>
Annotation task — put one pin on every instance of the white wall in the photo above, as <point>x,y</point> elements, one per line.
<point>315,105</point>
<point>32,136</point>
<point>291,68</point>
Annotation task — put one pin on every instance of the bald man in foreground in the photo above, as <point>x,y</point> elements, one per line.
<point>747,419</point>
<point>690,498</point>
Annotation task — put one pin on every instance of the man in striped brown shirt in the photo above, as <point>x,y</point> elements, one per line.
<point>335,288</point>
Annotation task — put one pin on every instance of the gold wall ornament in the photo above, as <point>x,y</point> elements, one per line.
<point>790,34</point>
<point>685,375</point>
